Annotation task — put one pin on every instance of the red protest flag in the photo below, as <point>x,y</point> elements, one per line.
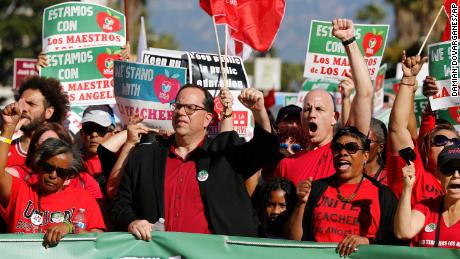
<point>447,5</point>
<point>223,11</point>
<point>258,22</point>
<point>269,99</point>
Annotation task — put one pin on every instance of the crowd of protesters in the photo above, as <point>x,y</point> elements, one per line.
<point>308,175</point>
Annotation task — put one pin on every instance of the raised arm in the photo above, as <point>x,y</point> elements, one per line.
<point>226,100</point>
<point>361,107</point>
<point>400,136</point>
<point>408,222</point>
<point>254,100</point>
<point>135,128</point>
<point>346,87</point>
<point>11,115</point>
<point>294,229</point>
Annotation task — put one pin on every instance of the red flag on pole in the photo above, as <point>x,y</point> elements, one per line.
<point>253,22</point>
<point>258,22</point>
<point>225,12</point>
<point>447,4</point>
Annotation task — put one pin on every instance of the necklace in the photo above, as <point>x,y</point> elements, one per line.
<point>352,196</point>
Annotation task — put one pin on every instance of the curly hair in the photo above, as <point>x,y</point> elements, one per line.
<point>52,91</point>
<point>57,128</point>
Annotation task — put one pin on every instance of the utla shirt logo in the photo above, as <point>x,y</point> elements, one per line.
<point>430,227</point>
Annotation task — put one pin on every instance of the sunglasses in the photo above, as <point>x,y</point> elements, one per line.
<point>61,172</point>
<point>441,140</point>
<point>294,147</point>
<point>88,129</point>
<point>449,169</point>
<point>350,147</point>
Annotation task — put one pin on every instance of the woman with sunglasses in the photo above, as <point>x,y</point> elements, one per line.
<point>53,130</point>
<point>349,207</point>
<point>46,207</point>
<point>434,222</point>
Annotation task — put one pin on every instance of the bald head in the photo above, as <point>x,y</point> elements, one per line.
<point>328,99</point>
<point>318,117</point>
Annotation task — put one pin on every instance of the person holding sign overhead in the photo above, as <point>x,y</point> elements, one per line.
<point>196,184</point>
<point>319,115</point>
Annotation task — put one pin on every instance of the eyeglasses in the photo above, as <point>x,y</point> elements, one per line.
<point>88,129</point>
<point>441,140</point>
<point>189,108</point>
<point>449,169</point>
<point>61,172</point>
<point>294,147</point>
<point>350,147</point>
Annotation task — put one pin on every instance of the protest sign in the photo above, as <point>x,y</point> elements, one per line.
<point>419,106</point>
<point>377,101</point>
<point>86,74</point>
<point>241,116</point>
<point>267,73</point>
<point>326,56</point>
<point>330,85</point>
<point>207,73</point>
<point>23,68</point>
<point>439,66</point>
<point>74,25</point>
<point>451,115</point>
<point>147,90</point>
<point>168,58</point>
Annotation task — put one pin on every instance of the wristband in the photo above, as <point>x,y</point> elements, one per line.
<point>411,80</point>
<point>225,116</point>
<point>349,41</point>
<point>5,140</point>
<point>69,227</point>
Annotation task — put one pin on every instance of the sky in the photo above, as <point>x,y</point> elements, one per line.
<point>193,29</point>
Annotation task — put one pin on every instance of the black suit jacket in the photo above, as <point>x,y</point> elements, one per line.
<point>226,202</point>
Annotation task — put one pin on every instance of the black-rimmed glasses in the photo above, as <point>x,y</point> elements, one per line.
<point>189,108</point>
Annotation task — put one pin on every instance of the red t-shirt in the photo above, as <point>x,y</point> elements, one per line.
<point>84,181</point>
<point>93,165</point>
<point>382,178</point>
<point>448,236</point>
<point>315,163</point>
<point>24,202</point>
<point>426,185</point>
<point>16,156</point>
<point>184,209</point>
<point>334,219</point>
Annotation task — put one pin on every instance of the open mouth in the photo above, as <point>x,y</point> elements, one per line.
<point>454,186</point>
<point>312,126</point>
<point>343,165</point>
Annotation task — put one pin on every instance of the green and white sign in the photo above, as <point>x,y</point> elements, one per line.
<point>451,115</point>
<point>440,67</point>
<point>379,91</point>
<point>86,74</point>
<point>330,85</point>
<point>326,56</point>
<point>74,25</point>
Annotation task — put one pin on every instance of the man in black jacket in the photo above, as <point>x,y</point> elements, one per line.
<point>195,183</point>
